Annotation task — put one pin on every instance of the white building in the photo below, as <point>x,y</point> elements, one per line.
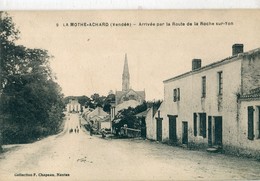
<point>73,106</point>
<point>215,105</point>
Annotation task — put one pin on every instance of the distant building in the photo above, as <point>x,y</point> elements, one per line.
<point>98,118</point>
<point>73,106</point>
<point>96,112</point>
<point>217,105</point>
<point>127,97</point>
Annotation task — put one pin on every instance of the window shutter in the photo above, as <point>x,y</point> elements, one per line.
<point>195,123</point>
<point>250,111</point>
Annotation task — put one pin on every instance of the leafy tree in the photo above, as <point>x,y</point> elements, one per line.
<point>107,103</point>
<point>97,100</point>
<point>94,101</point>
<point>107,107</point>
<point>127,116</point>
<point>83,100</point>
<point>30,99</point>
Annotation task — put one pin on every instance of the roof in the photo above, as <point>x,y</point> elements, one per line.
<point>100,118</point>
<point>116,120</point>
<point>98,111</point>
<point>250,97</point>
<point>120,94</point>
<point>142,114</point>
<point>127,104</point>
<point>214,64</point>
<point>254,94</point>
<point>126,69</point>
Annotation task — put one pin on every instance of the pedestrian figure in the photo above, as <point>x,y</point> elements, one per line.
<point>103,133</point>
<point>90,131</point>
<point>75,130</point>
<point>78,130</point>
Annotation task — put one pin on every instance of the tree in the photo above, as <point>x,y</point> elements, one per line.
<point>97,100</point>
<point>83,100</point>
<point>30,99</point>
<point>127,116</point>
<point>108,101</point>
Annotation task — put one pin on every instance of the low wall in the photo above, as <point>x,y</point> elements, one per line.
<point>131,133</point>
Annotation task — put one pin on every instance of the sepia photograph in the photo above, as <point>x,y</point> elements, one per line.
<point>130,95</point>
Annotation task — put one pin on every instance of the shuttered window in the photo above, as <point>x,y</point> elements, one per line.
<point>203,86</point>
<point>250,131</point>
<point>203,125</point>
<point>220,83</point>
<point>176,94</point>
<point>195,123</point>
<point>258,121</point>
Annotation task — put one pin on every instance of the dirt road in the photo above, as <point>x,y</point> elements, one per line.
<point>79,156</point>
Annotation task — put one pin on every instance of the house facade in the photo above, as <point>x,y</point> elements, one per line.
<point>213,106</point>
<point>73,106</point>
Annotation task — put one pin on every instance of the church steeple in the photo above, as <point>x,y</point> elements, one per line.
<point>125,76</point>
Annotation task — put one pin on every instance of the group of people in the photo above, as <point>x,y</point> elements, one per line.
<point>75,130</point>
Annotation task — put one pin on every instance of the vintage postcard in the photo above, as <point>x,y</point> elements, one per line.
<point>130,95</point>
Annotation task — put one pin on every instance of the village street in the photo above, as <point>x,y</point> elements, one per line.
<point>79,156</point>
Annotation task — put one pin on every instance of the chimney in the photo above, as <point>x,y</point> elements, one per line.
<point>237,48</point>
<point>196,64</point>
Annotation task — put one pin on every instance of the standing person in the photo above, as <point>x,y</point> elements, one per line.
<point>103,133</point>
<point>90,130</point>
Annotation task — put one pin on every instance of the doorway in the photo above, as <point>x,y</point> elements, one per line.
<point>218,131</point>
<point>172,129</point>
<point>184,132</point>
<point>159,129</point>
<point>209,131</point>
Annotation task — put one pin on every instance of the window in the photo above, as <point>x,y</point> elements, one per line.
<point>176,94</point>
<point>220,83</point>
<point>202,125</point>
<point>258,121</point>
<point>203,86</point>
<point>195,123</point>
<point>250,123</point>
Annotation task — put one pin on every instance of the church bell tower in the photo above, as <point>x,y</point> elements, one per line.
<point>125,76</point>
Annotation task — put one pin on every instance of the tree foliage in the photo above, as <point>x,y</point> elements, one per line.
<point>94,101</point>
<point>128,116</point>
<point>30,99</point>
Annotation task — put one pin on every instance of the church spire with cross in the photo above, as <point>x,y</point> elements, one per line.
<point>125,76</point>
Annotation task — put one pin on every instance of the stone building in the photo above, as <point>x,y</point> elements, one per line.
<point>216,105</point>
<point>127,97</point>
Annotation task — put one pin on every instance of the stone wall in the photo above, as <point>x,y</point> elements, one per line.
<point>250,72</point>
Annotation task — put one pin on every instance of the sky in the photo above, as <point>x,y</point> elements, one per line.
<point>90,60</point>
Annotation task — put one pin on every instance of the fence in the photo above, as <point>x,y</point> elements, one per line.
<point>131,133</point>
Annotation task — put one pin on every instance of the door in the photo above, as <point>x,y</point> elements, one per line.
<point>218,131</point>
<point>209,131</point>
<point>159,129</point>
<point>143,128</point>
<point>184,132</point>
<point>172,129</point>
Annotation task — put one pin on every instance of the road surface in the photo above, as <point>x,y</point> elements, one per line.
<point>79,156</point>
